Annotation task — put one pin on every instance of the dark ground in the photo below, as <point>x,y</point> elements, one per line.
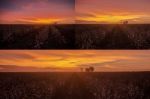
<point>123,85</point>
<point>75,36</point>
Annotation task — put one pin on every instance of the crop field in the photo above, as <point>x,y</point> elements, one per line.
<point>111,36</point>
<point>108,85</point>
<point>75,36</point>
<point>36,36</point>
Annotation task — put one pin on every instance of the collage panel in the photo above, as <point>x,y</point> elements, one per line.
<point>74,49</point>
<point>109,24</point>
<point>72,74</point>
<point>37,24</point>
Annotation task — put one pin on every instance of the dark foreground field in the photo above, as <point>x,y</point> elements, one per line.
<point>75,36</point>
<point>113,36</point>
<point>37,36</point>
<point>134,85</point>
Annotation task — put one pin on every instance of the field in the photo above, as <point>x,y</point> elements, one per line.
<point>111,36</point>
<point>36,36</point>
<point>75,36</point>
<point>121,85</point>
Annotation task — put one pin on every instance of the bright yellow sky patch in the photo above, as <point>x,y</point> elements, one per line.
<point>110,18</point>
<point>41,20</point>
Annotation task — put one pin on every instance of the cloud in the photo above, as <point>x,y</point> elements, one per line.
<point>13,4</point>
<point>115,60</point>
<point>110,10</point>
<point>17,56</point>
<point>21,11</point>
<point>15,68</point>
<point>84,14</point>
<point>49,60</point>
<point>100,64</point>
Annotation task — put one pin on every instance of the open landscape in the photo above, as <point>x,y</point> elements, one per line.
<point>79,85</point>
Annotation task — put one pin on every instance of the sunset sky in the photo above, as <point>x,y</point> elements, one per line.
<point>69,60</point>
<point>113,11</point>
<point>71,11</point>
<point>36,11</point>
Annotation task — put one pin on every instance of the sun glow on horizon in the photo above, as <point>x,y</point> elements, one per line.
<point>36,11</point>
<point>109,18</point>
<point>41,20</point>
<point>108,11</point>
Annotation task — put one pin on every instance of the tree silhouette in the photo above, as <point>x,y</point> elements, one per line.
<point>89,69</point>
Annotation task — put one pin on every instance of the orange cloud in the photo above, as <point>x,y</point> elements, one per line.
<point>74,60</point>
<point>40,20</point>
<point>108,11</point>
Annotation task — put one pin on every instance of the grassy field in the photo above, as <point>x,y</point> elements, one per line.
<point>121,85</point>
